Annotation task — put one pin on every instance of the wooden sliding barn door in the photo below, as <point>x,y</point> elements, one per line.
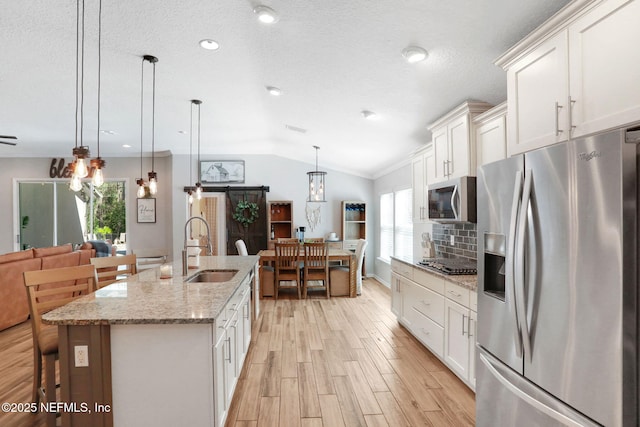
<point>254,234</point>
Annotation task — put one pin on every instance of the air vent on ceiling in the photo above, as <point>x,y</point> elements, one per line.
<point>295,129</point>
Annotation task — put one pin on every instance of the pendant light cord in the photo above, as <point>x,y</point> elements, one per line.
<point>77,63</point>
<point>99,67</point>
<point>198,137</point>
<point>141,115</point>
<point>82,82</point>
<point>191,142</point>
<point>153,119</point>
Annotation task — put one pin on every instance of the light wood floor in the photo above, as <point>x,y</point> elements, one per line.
<point>312,363</point>
<point>343,362</point>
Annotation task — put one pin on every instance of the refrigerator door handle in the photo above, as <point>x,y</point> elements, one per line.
<point>519,264</point>
<point>537,404</point>
<point>453,201</point>
<point>510,264</point>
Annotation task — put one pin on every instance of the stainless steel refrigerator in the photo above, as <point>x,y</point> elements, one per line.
<point>558,283</point>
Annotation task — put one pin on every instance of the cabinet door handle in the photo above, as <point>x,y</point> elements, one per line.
<point>469,320</point>
<point>449,167</point>
<point>229,347</point>
<point>571,125</point>
<point>424,331</point>
<point>463,320</point>
<point>454,293</point>
<point>425,302</point>
<point>558,130</point>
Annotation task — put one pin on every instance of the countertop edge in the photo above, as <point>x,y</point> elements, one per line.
<point>224,292</point>
<point>466,281</point>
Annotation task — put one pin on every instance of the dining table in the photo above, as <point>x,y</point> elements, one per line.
<point>346,257</point>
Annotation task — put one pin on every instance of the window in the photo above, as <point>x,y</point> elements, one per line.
<point>396,226</point>
<point>51,214</point>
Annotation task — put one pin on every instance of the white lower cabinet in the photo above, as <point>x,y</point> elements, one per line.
<point>231,344</point>
<point>440,314</point>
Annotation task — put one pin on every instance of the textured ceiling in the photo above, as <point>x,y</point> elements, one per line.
<point>331,58</point>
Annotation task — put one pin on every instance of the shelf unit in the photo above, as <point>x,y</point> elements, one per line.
<point>279,220</point>
<point>354,223</point>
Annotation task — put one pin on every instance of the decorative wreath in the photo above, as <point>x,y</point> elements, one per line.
<point>239,214</point>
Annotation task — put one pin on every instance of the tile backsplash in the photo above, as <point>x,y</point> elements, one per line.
<point>465,240</point>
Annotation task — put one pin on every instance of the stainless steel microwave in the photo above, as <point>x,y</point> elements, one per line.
<point>453,200</point>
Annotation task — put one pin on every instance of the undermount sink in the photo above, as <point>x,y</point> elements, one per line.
<point>212,276</point>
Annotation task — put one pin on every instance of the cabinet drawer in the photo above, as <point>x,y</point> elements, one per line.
<point>457,293</point>
<point>427,331</point>
<point>429,280</point>
<point>429,303</point>
<point>402,269</point>
<point>473,301</point>
<point>350,245</point>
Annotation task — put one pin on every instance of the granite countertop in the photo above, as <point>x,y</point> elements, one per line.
<point>469,281</point>
<point>146,299</point>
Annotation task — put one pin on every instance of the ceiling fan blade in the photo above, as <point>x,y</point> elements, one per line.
<point>8,143</point>
<point>8,137</point>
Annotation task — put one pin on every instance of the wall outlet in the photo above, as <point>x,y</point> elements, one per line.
<point>81,353</point>
<point>452,238</point>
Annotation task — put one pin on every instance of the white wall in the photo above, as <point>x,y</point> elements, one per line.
<point>398,179</point>
<point>128,169</point>
<point>287,180</point>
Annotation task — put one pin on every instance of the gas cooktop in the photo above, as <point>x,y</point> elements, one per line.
<point>450,265</point>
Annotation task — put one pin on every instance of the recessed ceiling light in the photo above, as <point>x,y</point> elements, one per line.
<point>295,129</point>
<point>369,115</point>
<point>209,44</point>
<point>126,146</point>
<point>182,132</point>
<point>108,132</point>
<point>275,91</point>
<point>266,15</point>
<point>414,54</point>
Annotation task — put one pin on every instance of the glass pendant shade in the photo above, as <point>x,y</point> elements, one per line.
<point>98,176</point>
<point>316,186</point>
<point>76,183</point>
<point>141,191</point>
<point>316,182</point>
<point>190,197</point>
<point>153,183</point>
<point>81,154</point>
<point>198,190</point>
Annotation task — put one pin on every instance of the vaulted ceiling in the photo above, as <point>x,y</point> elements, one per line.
<point>332,59</point>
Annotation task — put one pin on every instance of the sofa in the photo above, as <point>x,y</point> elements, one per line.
<point>14,307</point>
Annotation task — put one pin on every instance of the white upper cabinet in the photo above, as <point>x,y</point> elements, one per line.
<point>575,75</point>
<point>422,172</point>
<point>604,67</point>
<point>491,134</point>
<point>538,93</point>
<point>453,138</point>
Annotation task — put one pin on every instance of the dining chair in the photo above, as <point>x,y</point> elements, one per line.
<point>287,240</point>
<point>46,290</point>
<point>287,268</point>
<point>114,268</point>
<point>316,267</point>
<point>339,275</point>
<point>241,247</point>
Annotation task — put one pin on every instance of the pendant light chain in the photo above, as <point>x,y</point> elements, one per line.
<point>153,119</point>
<point>198,183</point>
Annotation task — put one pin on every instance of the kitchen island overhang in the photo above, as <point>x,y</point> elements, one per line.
<point>159,351</point>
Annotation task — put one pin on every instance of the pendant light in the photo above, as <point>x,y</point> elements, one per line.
<point>316,182</point>
<point>80,152</point>
<point>153,176</point>
<point>198,183</point>
<point>98,164</point>
<point>193,102</point>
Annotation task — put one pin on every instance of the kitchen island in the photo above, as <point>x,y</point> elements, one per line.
<point>155,351</point>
